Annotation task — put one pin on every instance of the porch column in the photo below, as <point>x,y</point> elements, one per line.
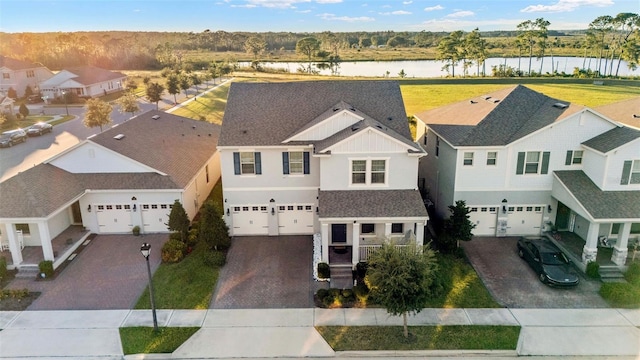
<point>14,247</point>
<point>324,233</point>
<point>387,231</point>
<point>355,249</point>
<point>420,233</point>
<point>45,240</point>
<point>590,249</point>
<point>620,250</point>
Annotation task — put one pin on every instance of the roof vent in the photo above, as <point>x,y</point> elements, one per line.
<point>336,108</point>
<point>486,97</point>
<point>473,101</point>
<point>119,137</point>
<point>193,127</point>
<point>560,105</point>
<point>352,109</point>
<point>636,116</point>
<point>495,101</point>
<point>389,118</point>
<point>155,117</point>
<point>355,128</point>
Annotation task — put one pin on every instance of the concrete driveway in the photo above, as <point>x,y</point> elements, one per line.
<point>514,284</point>
<point>266,272</point>
<point>110,273</point>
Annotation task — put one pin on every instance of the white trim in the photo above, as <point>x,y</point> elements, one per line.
<point>344,111</point>
<point>346,220</point>
<point>363,132</point>
<point>279,188</point>
<point>368,173</point>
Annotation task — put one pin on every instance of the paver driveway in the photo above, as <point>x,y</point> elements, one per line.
<point>110,273</point>
<point>514,284</point>
<point>266,272</point>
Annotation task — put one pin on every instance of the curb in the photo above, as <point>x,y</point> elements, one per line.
<point>427,353</point>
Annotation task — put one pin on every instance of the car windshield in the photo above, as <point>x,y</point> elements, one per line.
<point>553,258</point>
<point>36,126</point>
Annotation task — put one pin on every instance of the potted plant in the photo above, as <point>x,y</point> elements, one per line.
<point>136,230</point>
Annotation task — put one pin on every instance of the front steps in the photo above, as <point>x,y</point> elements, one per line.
<point>611,273</point>
<point>341,276</point>
<point>28,271</point>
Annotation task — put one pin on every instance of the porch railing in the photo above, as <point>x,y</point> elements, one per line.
<point>367,250</point>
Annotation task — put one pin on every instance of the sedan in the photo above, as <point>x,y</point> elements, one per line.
<point>39,128</point>
<point>551,265</point>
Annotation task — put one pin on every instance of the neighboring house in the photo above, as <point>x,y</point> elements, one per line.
<point>523,161</point>
<point>626,112</point>
<point>6,105</point>
<point>128,175</point>
<point>18,74</point>
<point>328,157</point>
<point>84,81</point>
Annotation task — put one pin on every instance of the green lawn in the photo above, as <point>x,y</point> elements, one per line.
<point>143,340</point>
<point>209,106</point>
<point>345,338</point>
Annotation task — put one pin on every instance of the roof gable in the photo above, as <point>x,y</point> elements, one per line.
<point>366,137</point>
<point>613,139</point>
<point>14,64</point>
<point>626,112</point>
<point>83,75</point>
<point>339,117</point>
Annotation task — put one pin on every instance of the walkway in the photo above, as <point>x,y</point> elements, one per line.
<point>290,332</point>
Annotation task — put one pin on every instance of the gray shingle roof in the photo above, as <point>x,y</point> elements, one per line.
<point>498,118</point>
<point>174,145</point>
<point>600,204</point>
<point>262,114</point>
<point>613,139</point>
<point>15,64</point>
<point>371,204</point>
<point>88,75</point>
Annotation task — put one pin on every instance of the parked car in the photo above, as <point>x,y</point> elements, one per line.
<point>8,138</point>
<point>34,99</point>
<point>38,129</point>
<point>548,261</point>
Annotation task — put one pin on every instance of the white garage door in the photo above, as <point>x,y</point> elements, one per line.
<point>155,217</point>
<point>524,219</point>
<point>250,220</point>
<point>114,218</point>
<point>295,219</point>
<point>485,219</point>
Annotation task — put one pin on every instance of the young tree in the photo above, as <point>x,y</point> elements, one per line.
<point>23,110</point>
<point>527,37</point>
<point>400,279</point>
<point>214,71</point>
<point>178,220</point>
<point>128,103</point>
<point>154,93</point>
<point>28,91</point>
<point>476,49</point>
<point>450,50</point>
<point>131,85</point>
<point>308,46</point>
<point>196,80</point>
<point>185,84</point>
<point>458,227</point>
<point>97,113</point>
<point>213,230</point>
<point>173,86</point>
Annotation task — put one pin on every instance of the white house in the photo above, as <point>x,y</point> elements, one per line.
<point>128,175</point>
<point>523,161</point>
<point>328,157</point>
<point>18,74</point>
<point>85,81</point>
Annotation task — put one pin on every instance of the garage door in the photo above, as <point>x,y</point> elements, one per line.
<point>114,218</point>
<point>155,217</point>
<point>295,219</point>
<point>524,219</point>
<point>250,220</point>
<point>485,219</point>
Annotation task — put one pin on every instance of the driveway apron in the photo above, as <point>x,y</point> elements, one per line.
<point>266,272</point>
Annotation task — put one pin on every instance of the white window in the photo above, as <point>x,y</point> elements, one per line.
<point>367,172</point>
<point>574,157</point>
<point>492,157</point>
<point>358,171</point>
<point>378,171</point>
<point>247,163</point>
<point>468,159</point>
<point>30,73</point>
<point>296,162</point>
<point>635,172</point>
<point>532,162</point>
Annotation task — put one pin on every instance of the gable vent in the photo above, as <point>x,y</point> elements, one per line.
<point>560,105</point>
<point>119,137</point>
<point>155,117</point>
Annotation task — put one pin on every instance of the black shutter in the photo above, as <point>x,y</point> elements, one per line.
<point>258,161</point>
<point>567,161</point>
<point>626,172</point>
<point>305,156</point>
<point>520,166</point>
<point>236,163</point>
<point>285,163</point>
<point>545,162</point>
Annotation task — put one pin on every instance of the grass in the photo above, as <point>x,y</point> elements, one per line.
<point>143,340</point>
<point>624,295</point>
<point>345,338</point>
<point>209,106</point>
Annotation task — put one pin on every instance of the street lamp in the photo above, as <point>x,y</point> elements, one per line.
<point>145,249</point>
<point>64,95</point>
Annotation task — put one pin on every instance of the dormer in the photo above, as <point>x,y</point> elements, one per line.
<point>332,121</point>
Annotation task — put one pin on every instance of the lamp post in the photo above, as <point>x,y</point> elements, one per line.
<point>145,249</point>
<point>64,95</point>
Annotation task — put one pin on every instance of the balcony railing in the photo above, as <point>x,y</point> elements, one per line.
<point>367,250</point>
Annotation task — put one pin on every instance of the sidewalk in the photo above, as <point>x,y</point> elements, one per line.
<point>289,332</point>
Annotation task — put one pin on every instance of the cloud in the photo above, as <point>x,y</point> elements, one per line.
<point>328,1</point>
<point>566,5</point>
<point>407,2</point>
<point>467,25</point>
<point>275,4</point>
<point>303,11</point>
<point>397,12</point>
<point>460,14</point>
<point>433,8</point>
<point>333,17</point>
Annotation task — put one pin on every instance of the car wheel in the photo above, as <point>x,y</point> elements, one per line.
<point>520,253</point>
<point>543,278</point>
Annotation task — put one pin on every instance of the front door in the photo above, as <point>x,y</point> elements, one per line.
<point>562,217</point>
<point>76,213</point>
<point>338,233</point>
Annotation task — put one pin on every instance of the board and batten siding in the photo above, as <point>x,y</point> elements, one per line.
<point>91,158</point>
<point>328,127</point>
<point>369,141</point>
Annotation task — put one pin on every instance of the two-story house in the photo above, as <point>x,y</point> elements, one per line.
<point>85,81</point>
<point>18,74</point>
<point>328,157</point>
<point>525,162</point>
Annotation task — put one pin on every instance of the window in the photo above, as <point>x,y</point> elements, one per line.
<point>263,208</point>
<point>369,171</point>
<point>492,157</point>
<point>533,162</point>
<point>127,207</point>
<point>468,159</point>
<point>425,140</point>
<point>635,172</point>
<point>245,163</point>
<point>163,206</point>
<point>118,207</point>
<point>6,76</point>
<point>397,228</point>
<point>30,73</point>
<point>24,228</point>
<point>377,171</point>
<point>245,208</point>
<point>290,207</point>
<point>281,208</point>
<point>295,162</point>
<point>437,145</point>
<point>358,171</point>
<point>367,228</point>
<point>206,173</point>
<point>630,172</point>
<point>573,157</point>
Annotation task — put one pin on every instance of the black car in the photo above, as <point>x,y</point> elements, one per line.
<point>38,129</point>
<point>8,138</point>
<point>551,265</point>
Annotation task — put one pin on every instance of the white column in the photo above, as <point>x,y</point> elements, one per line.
<point>590,249</point>
<point>355,249</point>
<point>14,247</point>
<point>324,233</point>
<point>387,231</point>
<point>45,241</point>
<point>420,233</point>
<point>620,250</point>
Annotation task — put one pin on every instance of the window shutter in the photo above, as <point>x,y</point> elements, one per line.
<point>305,157</point>
<point>520,166</point>
<point>626,173</point>
<point>236,163</point>
<point>545,162</point>
<point>285,163</point>
<point>258,163</point>
<point>567,161</point>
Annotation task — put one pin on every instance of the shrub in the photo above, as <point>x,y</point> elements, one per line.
<point>46,268</point>
<point>593,270</point>
<point>175,236</point>
<point>173,251</point>
<point>324,271</point>
<point>14,293</point>
<point>621,294</point>
<point>348,295</point>
<point>632,275</point>
<point>136,230</point>
<point>322,293</point>
<point>214,258</point>
<point>361,292</point>
<point>3,267</point>
<point>361,270</point>
<point>192,237</point>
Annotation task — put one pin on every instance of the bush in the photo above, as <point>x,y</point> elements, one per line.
<point>192,237</point>
<point>632,275</point>
<point>361,270</point>
<point>593,270</point>
<point>173,251</point>
<point>14,294</point>
<point>322,293</point>
<point>361,292</point>
<point>621,294</point>
<point>324,271</point>
<point>3,267</point>
<point>136,230</point>
<point>214,258</point>
<point>46,268</point>
<point>175,236</point>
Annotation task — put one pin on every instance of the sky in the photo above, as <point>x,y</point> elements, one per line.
<point>300,15</point>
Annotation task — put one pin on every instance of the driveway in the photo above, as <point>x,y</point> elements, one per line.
<point>514,284</point>
<point>110,273</point>
<point>266,272</point>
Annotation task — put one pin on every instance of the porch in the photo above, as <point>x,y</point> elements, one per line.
<point>574,246</point>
